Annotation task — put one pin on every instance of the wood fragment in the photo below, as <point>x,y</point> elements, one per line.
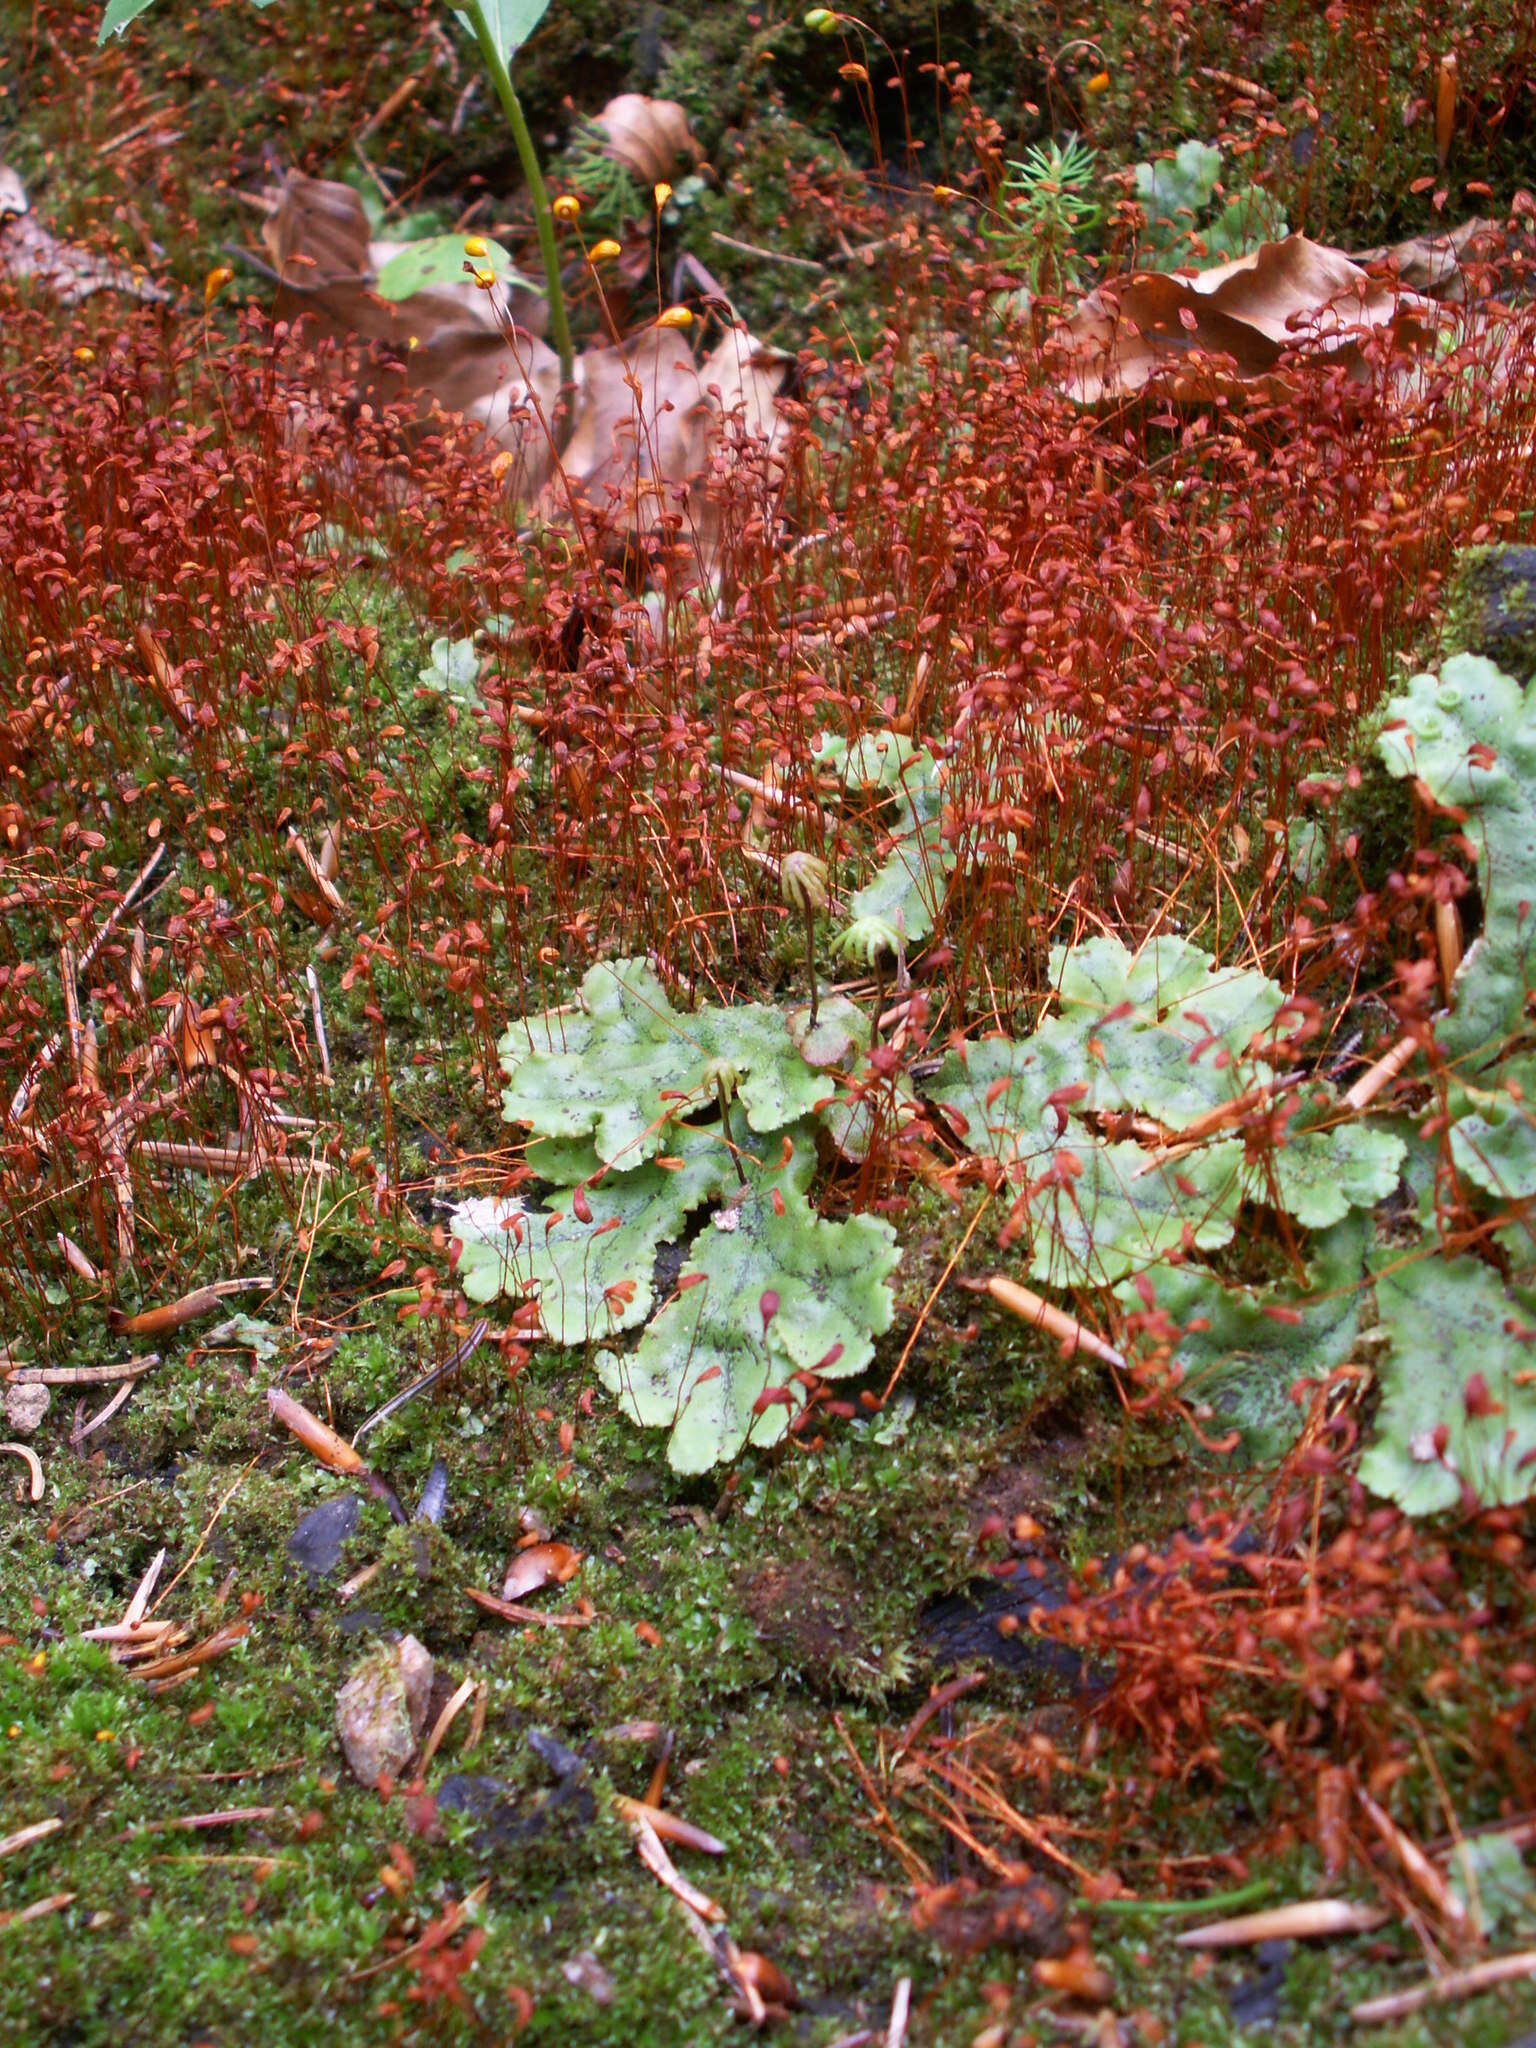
<point>188,1308</point>
<point>39,1831</point>
<point>1447,944</point>
<point>317,1437</point>
<point>1444,1990</point>
<point>80,1375</point>
<point>1376,1076</point>
<point>1304,1920</point>
<point>1043,1315</point>
<point>76,1260</point>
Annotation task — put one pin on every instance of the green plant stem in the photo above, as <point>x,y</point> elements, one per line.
<point>1168,1909</point>
<point>543,218</point>
<point>810,954</point>
<point>724,1101</point>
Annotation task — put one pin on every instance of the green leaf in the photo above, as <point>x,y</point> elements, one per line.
<point>1155,1033</point>
<point>570,1266</point>
<point>1170,190</point>
<point>1452,1323</point>
<point>426,266</point>
<point>1469,735</point>
<point>764,1295</point>
<point>994,1095</point>
<point>625,1061</point>
<point>453,667</point>
<point>1318,1176</point>
<point>1122,1213</point>
<point>1489,1876</point>
<point>511,22</point>
<point>1243,1349</point>
<point>119,13</point>
<point>1160,1029</point>
<point>1494,1144</point>
<point>906,891</point>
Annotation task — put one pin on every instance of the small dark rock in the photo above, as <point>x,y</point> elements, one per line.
<point>565,1763</point>
<point>1256,2001</point>
<point>360,1621</point>
<point>1492,608</point>
<point>433,1504</point>
<point>318,1541</point>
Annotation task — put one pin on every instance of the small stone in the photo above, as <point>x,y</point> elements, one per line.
<point>1491,607</point>
<point>25,1407</point>
<point>381,1711</point>
<point>317,1543</point>
<point>586,1973</point>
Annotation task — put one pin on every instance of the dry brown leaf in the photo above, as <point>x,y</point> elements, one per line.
<point>448,347</point>
<point>650,138</point>
<point>29,251</point>
<point>544,1564</point>
<point>1435,265</point>
<point>649,420</point>
<point>767,1980</point>
<point>1295,297</point>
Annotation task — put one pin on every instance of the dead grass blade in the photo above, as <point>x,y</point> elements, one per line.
<point>1447,1989</point>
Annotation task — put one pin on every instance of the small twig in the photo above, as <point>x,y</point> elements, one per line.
<point>103,1415</point>
<point>768,255</point>
<point>665,1871</point>
<point>37,1910</point>
<point>901,2004</point>
<point>513,1610</point>
<point>1442,1990</point>
<point>402,93</point>
<point>193,1823</point>
<point>396,1402</point>
<point>319,1016</point>
<point>927,1308</point>
<point>79,1375</point>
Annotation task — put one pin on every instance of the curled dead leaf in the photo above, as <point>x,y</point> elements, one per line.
<point>767,1980</point>
<point>650,138</point>
<point>1227,330</point>
<point>29,252</point>
<point>544,1564</point>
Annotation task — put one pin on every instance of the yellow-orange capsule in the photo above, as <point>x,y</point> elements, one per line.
<point>215,282</point>
<point>603,252</point>
<point>1099,82</point>
<point>475,245</point>
<point>945,192</point>
<point>675,316</point>
<point>84,355</point>
<point>662,193</point>
<point>485,277</point>
<point>567,207</point>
